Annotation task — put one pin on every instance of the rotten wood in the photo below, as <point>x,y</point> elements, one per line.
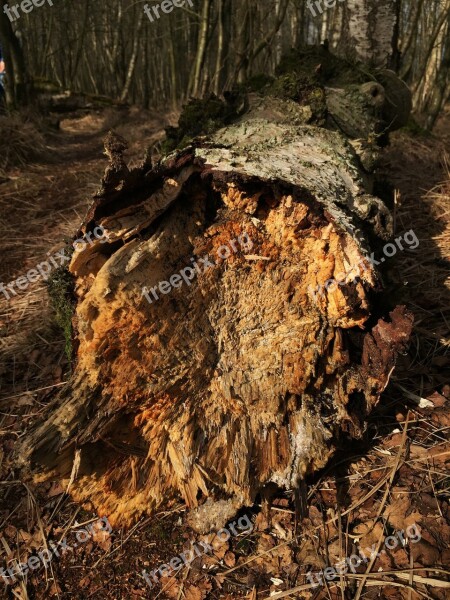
<point>241,378</point>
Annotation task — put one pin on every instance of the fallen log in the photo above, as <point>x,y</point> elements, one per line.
<point>228,333</point>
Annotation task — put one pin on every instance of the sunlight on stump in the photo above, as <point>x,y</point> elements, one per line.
<point>251,370</point>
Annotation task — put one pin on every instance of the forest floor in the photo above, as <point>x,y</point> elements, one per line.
<point>394,480</point>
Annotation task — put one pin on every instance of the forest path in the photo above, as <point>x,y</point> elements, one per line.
<point>41,207</point>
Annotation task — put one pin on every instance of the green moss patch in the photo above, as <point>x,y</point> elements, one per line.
<point>324,67</point>
<point>199,117</point>
<point>301,77</point>
<point>306,90</point>
<point>61,292</point>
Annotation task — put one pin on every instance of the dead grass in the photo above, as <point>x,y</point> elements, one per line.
<point>21,141</point>
<point>41,207</point>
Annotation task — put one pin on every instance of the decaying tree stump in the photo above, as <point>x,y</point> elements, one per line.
<point>238,374</point>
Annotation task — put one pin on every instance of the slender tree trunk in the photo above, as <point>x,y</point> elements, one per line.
<point>46,52</point>
<point>429,60</point>
<point>173,83</point>
<point>370,30</point>
<point>440,91</point>
<point>81,43</point>
<point>243,42</point>
<point>408,50</point>
<point>281,13</point>
<point>133,59</point>
<point>218,72</point>
<point>396,55</point>
<point>201,47</point>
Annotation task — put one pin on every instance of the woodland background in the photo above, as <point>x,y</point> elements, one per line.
<point>110,48</point>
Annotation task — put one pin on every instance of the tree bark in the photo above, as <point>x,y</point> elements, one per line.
<point>201,48</point>
<point>370,30</point>
<point>226,338</point>
<point>133,59</point>
<point>440,93</point>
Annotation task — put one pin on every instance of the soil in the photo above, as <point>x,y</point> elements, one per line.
<point>388,492</point>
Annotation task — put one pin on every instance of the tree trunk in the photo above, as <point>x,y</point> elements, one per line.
<point>370,30</point>
<point>440,93</point>
<point>220,58</point>
<point>201,48</point>
<point>133,59</point>
<point>243,41</point>
<point>395,59</point>
<point>226,337</point>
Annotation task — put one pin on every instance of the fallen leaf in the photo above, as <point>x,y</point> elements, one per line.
<point>55,490</point>
<point>84,582</point>
<point>100,536</point>
<point>229,559</point>
<point>437,399</point>
<point>193,593</point>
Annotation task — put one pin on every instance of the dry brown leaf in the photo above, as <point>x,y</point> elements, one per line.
<point>31,541</point>
<point>272,562</point>
<point>25,536</point>
<point>425,553</point>
<point>193,593</point>
<point>315,516</point>
<point>209,561</point>
<point>394,440</point>
<point>437,399</point>
<point>56,489</point>
<point>55,589</point>
<point>171,587</point>
<point>26,400</point>
<point>416,451</point>
<point>10,531</point>
<point>369,534</point>
<point>220,550</point>
<point>308,555</point>
<point>100,536</point>
<point>397,511</point>
<point>84,582</point>
<point>261,522</point>
<point>282,525</point>
<point>204,586</point>
<point>230,559</point>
